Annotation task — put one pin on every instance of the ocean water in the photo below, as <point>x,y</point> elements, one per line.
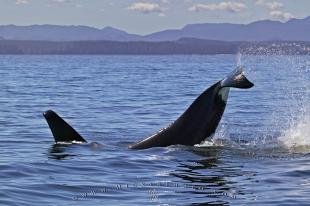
<point>260,154</point>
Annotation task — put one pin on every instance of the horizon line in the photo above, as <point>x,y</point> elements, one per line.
<point>123,30</point>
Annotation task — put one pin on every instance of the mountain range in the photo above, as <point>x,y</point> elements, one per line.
<point>265,30</point>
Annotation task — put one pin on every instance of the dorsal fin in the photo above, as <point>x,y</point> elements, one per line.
<point>61,130</point>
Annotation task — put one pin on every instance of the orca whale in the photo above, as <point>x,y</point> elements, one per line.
<point>201,119</point>
<point>196,124</point>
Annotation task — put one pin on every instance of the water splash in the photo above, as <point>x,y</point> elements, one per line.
<point>283,74</point>
<point>238,59</point>
<point>221,139</point>
<point>288,87</point>
<point>284,90</point>
<point>297,138</point>
<point>275,48</point>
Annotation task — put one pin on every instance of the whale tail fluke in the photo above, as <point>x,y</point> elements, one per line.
<point>61,130</point>
<point>237,79</point>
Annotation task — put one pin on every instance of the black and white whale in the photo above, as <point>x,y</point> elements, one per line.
<point>196,124</point>
<point>201,119</point>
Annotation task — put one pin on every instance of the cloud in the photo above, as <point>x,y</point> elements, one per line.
<point>146,7</point>
<point>280,15</point>
<point>274,8</point>
<point>18,2</point>
<point>225,6</point>
<point>274,5</point>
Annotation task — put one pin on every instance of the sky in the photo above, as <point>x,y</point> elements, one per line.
<point>147,16</point>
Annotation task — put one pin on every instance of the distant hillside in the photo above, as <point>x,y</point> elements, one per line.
<point>266,30</point>
<point>64,33</point>
<point>182,46</point>
<point>293,30</point>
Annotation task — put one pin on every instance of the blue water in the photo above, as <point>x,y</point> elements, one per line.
<point>259,155</point>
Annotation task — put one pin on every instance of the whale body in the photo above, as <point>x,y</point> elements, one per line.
<point>201,119</point>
